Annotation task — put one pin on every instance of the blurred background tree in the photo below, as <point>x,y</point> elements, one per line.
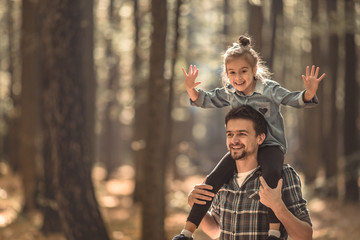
<point>124,104</point>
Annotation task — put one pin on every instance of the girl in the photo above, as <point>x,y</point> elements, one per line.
<point>247,82</point>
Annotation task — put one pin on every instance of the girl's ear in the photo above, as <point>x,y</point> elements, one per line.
<point>254,70</point>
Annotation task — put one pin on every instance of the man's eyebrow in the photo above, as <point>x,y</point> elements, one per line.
<point>239,131</point>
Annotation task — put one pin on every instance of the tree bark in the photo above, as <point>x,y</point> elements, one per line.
<point>153,204</point>
<point>68,100</point>
<point>312,117</point>
<point>351,141</point>
<point>330,153</point>
<point>29,120</point>
<point>277,18</point>
<point>110,136</point>
<point>255,24</point>
<point>140,117</point>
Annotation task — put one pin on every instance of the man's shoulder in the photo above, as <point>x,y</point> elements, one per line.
<point>289,172</point>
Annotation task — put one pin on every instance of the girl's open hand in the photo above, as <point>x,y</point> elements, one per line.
<point>311,82</point>
<point>190,77</point>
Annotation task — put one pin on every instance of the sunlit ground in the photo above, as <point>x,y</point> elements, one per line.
<point>331,218</point>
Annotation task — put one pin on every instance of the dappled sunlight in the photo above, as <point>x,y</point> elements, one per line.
<point>11,198</point>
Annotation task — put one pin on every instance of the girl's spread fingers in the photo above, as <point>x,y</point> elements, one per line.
<point>185,73</point>
<point>322,76</point>
<point>312,70</point>
<point>307,71</point>
<point>317,72</point>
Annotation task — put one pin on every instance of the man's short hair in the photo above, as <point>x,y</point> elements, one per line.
<point>246,112</point>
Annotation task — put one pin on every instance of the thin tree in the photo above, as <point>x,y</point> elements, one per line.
<point>110,125</point>
<point>29,120</point>
<point>330,153</point>
<point>312,117</point>
<point>256,19</point>
<point>140,91</point>
<point>351,142</point>
<point>12,118</point>
<point>277,18</point>
<point>153,202</point>
<point>67,93</point>
<point>168,149</point>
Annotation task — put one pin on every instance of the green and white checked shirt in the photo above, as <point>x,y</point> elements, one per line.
<point>238,211</point>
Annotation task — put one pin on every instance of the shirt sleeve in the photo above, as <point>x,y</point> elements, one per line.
<point>216,98</point>
<point>292,195</point>
<point>295,99</point>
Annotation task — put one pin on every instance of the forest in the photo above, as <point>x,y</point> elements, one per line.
<point>98,139</point>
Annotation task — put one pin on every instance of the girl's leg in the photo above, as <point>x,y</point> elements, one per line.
<point>271,160</point>
<point>221,174</point>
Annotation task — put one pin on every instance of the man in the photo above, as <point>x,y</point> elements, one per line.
<point>238,210</point>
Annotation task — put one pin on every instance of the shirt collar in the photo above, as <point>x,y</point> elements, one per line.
<point>259,88</point>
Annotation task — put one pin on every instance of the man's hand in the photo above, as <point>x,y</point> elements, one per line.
<point>191,77</point>
<point>268,196</point>
<point>311,82</point>
<point>200,194</point>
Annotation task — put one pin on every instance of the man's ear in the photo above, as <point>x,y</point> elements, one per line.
<point>260,138</point>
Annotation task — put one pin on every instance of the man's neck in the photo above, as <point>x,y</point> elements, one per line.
<point>246,164</point>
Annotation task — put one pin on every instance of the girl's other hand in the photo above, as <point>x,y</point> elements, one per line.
<point>190,77</point>
<point>311,82</point>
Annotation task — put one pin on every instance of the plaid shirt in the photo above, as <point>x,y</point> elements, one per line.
<point>240,214</point>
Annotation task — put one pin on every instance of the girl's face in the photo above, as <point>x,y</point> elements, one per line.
<point>241,75</point>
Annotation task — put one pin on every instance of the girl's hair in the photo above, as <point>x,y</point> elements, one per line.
<point>242,48</point>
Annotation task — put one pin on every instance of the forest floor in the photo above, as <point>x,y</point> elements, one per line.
<point>332,219</point>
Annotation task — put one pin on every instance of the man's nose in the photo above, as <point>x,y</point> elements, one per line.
<point>235,139</point>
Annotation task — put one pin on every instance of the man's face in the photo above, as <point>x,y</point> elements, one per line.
<point>241,138</point>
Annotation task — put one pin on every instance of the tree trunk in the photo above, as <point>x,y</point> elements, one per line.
<point>140,91</point>
<point>12,118</point>
<point>277,18</point>
<point>153,204</point>
<point>68,100</point>
<point>110,136</point>
<point>168,147</point>
<point>330,153</point>
<point>255,24</point>
<point>312,117</point>
<point>351,142</point>
<point>29,120</point>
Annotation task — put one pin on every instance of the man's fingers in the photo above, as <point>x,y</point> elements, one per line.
<point>204,192</point>
<point>203,186</point>
<point>280,183</point>
<point>263,182</point>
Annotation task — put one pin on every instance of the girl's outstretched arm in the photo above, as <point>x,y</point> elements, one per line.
<point>311,82</point>
<point>190,83</point>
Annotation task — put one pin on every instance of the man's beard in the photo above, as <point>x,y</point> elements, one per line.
<point>237,155</point>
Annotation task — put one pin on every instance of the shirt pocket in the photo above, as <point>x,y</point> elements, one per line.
<point>264,108</point>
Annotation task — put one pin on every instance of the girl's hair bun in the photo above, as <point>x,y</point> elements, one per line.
<point>244,41</point>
